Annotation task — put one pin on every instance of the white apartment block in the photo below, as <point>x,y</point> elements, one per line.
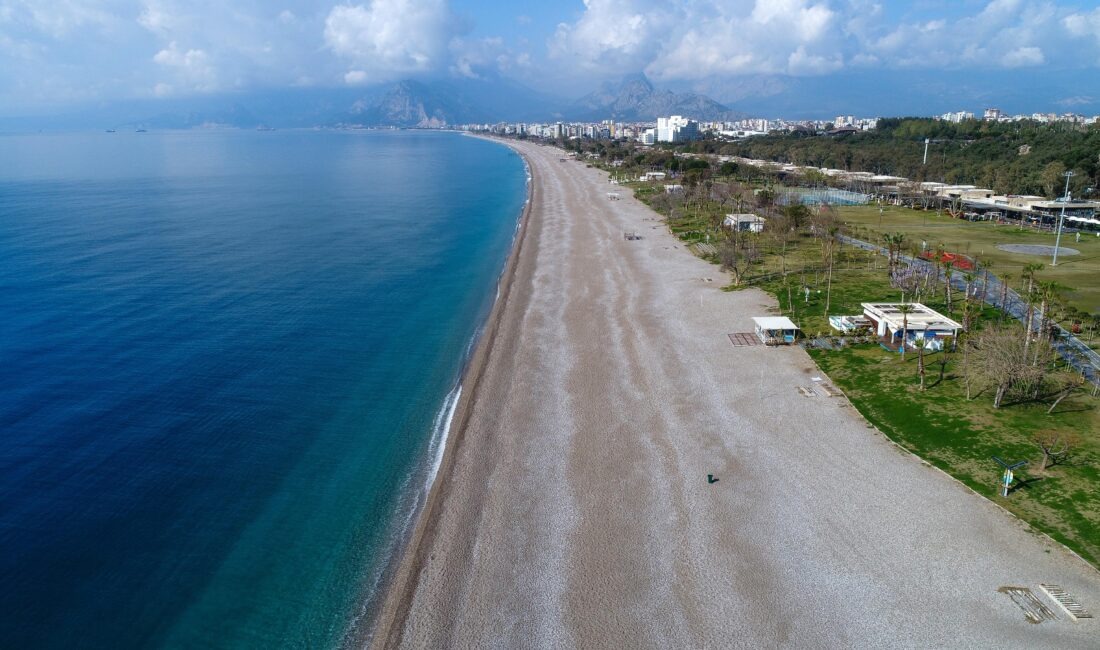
<point>676,129</point>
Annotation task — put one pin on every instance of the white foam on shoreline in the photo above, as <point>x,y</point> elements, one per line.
<point>443,425</point>
<point>411,503</point>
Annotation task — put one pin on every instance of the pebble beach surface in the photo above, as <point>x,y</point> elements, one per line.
<point>574,508</point>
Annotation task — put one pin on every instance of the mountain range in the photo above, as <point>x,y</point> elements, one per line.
<point>406,103</point>
<point>490,98</point>
<point>634,98</point>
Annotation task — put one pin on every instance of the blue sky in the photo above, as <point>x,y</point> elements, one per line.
<point>75,52</point>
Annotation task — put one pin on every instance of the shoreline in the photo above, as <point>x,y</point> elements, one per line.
<point>399,581</point>
<point>574,507</point>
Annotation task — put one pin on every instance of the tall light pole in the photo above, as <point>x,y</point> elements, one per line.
<point>1058,238</point>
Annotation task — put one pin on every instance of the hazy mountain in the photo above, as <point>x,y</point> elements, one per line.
<point>408,103</point>
<point>885,93</point>
<point>635,98</point>
<point>447,102</point>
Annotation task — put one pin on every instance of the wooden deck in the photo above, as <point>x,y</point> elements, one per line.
<point>744,339</point>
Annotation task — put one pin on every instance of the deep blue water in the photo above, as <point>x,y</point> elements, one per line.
<point>221,357</point>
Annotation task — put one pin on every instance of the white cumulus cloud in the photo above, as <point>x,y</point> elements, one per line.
<point>697,38</point>
<point>192,66</point>
<point>618,34</point>
<point>693,39</point>
<point>1083,25</point>
<point>389,38</point>
<point>1022,57</point>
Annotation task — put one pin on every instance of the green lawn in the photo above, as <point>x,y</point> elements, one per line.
<point>960,436</point>
<point>939,424</point>
<point>1079,274</point>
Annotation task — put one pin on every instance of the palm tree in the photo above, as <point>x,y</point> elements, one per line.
<point>970,277</point>
<point>984,265</point>
<point>888,239</point>
<point>1049,296</point>
<point>905,311</point>
<point>920,358</point>
<point>1006,277</point>
<point>1028,273</point>
<point>947,267</point>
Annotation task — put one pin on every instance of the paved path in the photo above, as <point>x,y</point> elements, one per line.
<point>578,512</point>
<point>1081,357</point>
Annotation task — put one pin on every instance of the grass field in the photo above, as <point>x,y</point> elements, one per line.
<point>939,424</point>
<point>1078,274</point>
<point>961,436</point>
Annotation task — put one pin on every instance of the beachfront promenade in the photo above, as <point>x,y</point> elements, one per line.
<point>574,509</point>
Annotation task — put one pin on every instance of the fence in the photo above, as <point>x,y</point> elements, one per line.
<point>819,196</point>
<point>1078,355</point>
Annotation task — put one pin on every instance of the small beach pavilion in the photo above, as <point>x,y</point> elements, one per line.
<point>920,323</point>
<point>775,330</point>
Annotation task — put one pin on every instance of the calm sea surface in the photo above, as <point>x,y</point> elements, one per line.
<point>222,358</point>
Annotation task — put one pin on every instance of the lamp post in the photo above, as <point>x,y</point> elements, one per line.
<point>1062,218</point>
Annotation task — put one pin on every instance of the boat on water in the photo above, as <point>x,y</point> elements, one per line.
<point>110,130</point>
<point>142,131</point>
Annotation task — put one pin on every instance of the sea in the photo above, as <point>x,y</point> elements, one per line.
<point>228,361</point>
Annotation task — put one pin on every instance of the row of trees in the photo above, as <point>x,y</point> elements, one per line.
<point>1016,157</point>
<point>1014,361</point>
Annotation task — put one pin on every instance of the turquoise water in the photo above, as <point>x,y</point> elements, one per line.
<point>225,356</point>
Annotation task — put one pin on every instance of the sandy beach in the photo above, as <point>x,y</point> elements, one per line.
<point>572,509</point>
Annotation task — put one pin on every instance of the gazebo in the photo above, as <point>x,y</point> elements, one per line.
<point>775,330</point>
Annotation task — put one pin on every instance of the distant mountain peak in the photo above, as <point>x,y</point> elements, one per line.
<point>634,97</point>
<point>637,80</point>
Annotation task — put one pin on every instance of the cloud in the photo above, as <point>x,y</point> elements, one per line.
<point>61,18</point>
<point>239,44</point>
<point>193,66</point>
<point>1083,25</point>
<point>1022,57</point>
<point>623,35</point>
<point>694,39</point>
<point>390,38</point>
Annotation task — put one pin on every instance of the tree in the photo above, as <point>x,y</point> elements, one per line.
<point>1071,383</point>
<point>894,243</point>
<point>919,340</point>
<point>984,265</point>
<point>968,303</point>
<point>1054,447</point>
<point>1049,295</point>
<point>798,214</point>
<point>905,311</point>
<point>947,272</point>
<point>1028,274</point>
<point>728,169</point>
<point>1052,177</point>
<point>1006,277</point>
<point>999,358</point>
<point>735,260</point>
<point>828,254</point>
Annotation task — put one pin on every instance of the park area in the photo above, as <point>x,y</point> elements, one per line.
<point>957,434</point>
<point>813,277</point>
<point>961,436</point>
<point>1078,275</point>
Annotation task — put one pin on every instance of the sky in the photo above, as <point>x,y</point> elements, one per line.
<point>68,53</point>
